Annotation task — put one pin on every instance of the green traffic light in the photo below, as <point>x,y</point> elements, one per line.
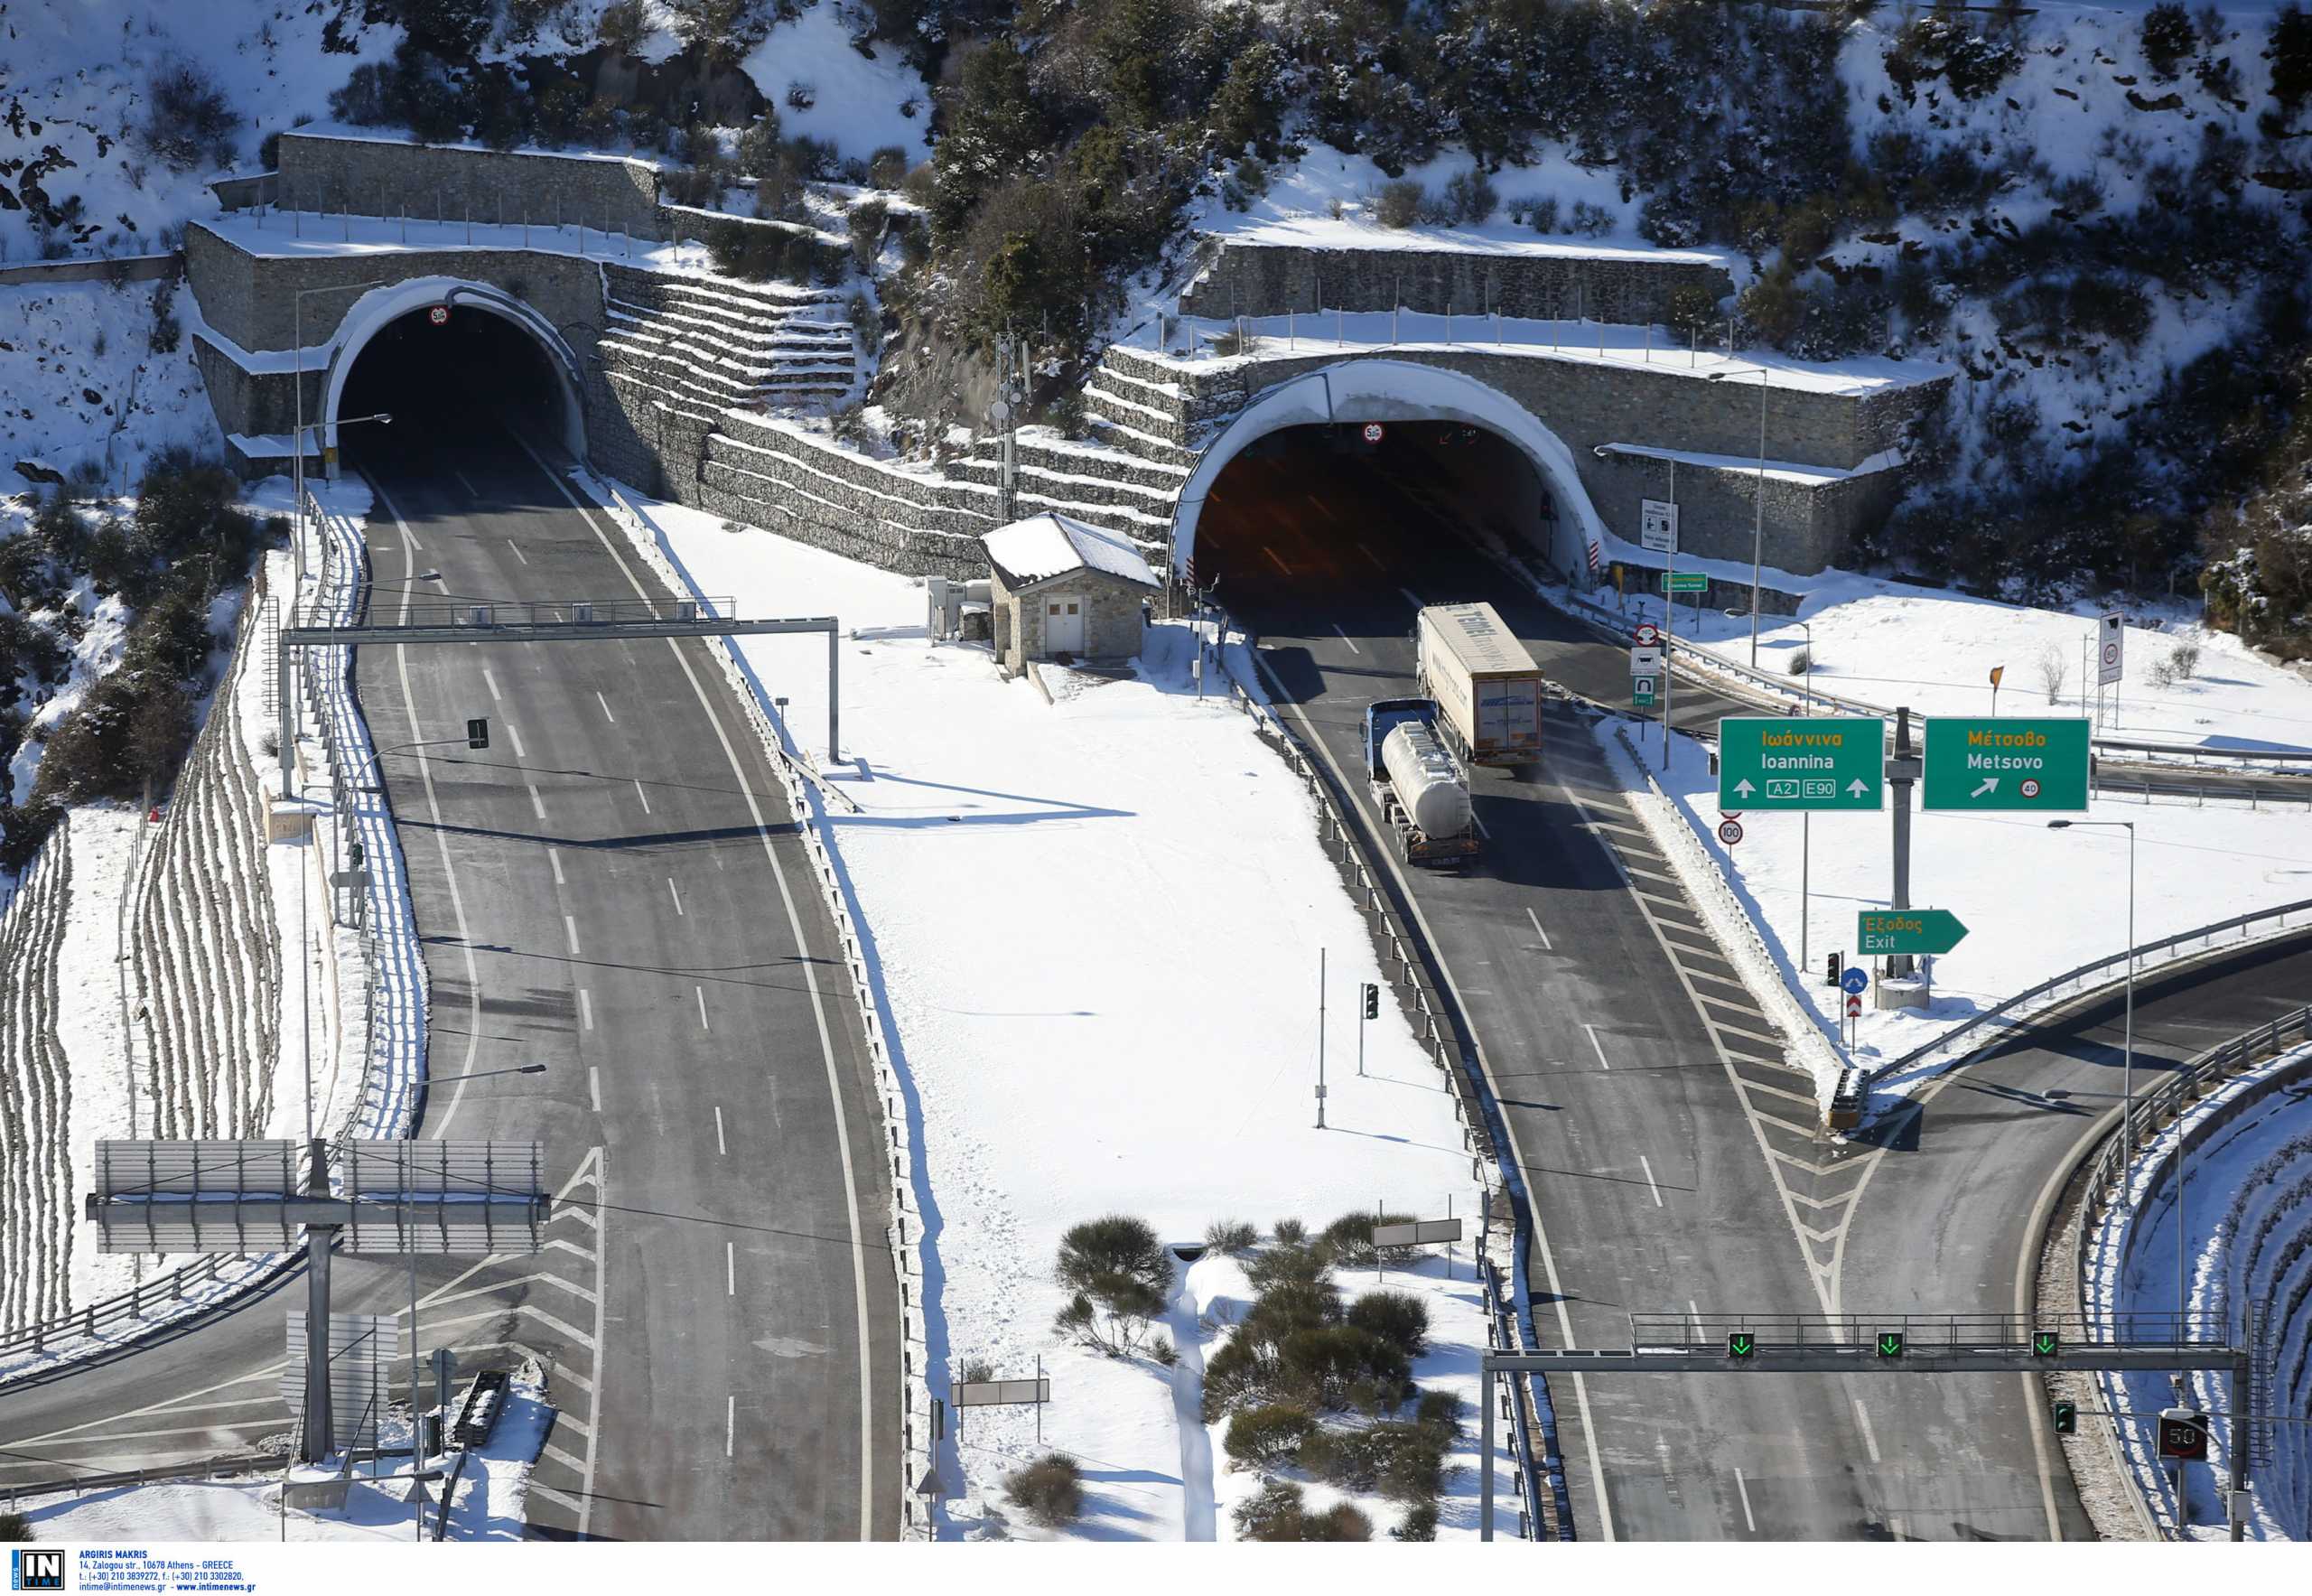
<point>1741,1344</point>
<point>1891,1343</point>
<point>2065,1415</point>
<point>2045,1343</point>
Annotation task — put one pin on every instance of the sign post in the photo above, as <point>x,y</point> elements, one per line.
<point>2111,658</point>
<point>2039,765</point>
<point>1790,762</point>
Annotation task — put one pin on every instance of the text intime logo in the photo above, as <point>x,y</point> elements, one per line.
<point>36,1571</point>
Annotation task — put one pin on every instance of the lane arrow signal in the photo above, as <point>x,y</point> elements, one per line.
<point>1890,1344</point>
<point>1857,786</point>
<point>1744,787</point>
<point>2045,1343</point>
<point>1989,784</point>
<point>1741,1344</point>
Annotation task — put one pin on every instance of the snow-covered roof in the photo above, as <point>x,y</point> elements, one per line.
<point>1048,546</point>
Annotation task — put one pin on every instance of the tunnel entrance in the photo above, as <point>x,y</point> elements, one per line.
<point>467,378</point>
<point>1328,514</point>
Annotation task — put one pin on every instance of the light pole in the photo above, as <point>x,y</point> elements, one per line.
<point>485,1074</point>
<point>2128,1047</point>
<point>1805,830</point>
<point>1758,522</point>
<point>297,438</point>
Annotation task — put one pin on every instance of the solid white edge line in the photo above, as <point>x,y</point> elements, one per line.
<point>1541,1235</point>
<point>441,841</point>
<point>818,1011</point>
<point>601,1295</point>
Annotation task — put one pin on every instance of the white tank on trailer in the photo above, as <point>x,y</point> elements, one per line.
<point>1428,784</point>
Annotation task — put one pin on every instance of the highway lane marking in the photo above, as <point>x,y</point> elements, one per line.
<point>1541,1230</point>
<point>1778,1092</point>
<point>518,551</point>
<point>1347,639</point>
<point>519,751</point>
<point>676,894</point>
<point>594,1086</point>
<point>570,930</point>
<point>1279,561</point>
<point>1545,936</point>
<point>551,1451</point>
<point>554,857</point>
<point>731,1427</point>
<point>538,804</point>
<point>1370,555</point>
<point>1412,597</point>
<point>606,708</point>
<point>585,1009</point>
<point>1319,505</point>
<point>440,836</point>
<point>643,796</point>
<point>1694,1313</point>
<point>1480,826</point>
<point>1747,1517</point>
<point>866,1447</point>
<point>1870,1440</point>
<point>491,681</point>
<point>730,1269</point>
<point>1647,1166</point>
<point>1596,1046</point>
<point>720,1147</point>
<point>703,1025</point>
<point>468,486</point>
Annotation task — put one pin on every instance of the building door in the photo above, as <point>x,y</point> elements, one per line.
<point>1063,626</point>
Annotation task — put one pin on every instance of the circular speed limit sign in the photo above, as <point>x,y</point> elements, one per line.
<point>439,315</point>
<point>1374,432</point>
<point>2110,653</point>
<point>2031,787</point>
<point>1730,831</point>
<point>1646,635</point>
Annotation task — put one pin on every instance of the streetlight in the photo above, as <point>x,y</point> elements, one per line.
<point>1758,526</point>
<point>1806,830</point>
<point>297,438</point>
<point>485,1074</point>
<point>2128,1054</point>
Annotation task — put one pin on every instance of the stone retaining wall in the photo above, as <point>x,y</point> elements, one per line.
<point>1270,279</point>
<point>382,177</point>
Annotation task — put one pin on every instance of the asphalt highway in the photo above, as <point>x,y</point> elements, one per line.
<point>613,889</point>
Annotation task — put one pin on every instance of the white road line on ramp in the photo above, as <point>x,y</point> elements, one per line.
<point>643,796</point>
<point>1647,1166</point>
<point>491,681</point>
<point>866,1451</point>
<point>1347,639</point>
<point>1596,1046</point>
<point>441,838</point>
<point>518,551</point>
<point>1545,936</point>
<point>606,708</point>
<point>1743,1487</point>
<point>676,894</point>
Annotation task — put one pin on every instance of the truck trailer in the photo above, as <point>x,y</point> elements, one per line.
<point>1422,795</point>
<point>1487,688</point>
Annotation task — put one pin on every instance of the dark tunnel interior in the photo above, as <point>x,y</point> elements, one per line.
<point>467,380</point>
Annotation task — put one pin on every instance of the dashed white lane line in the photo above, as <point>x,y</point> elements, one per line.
<point>643,796</point>
<point>703,1025</point>
<point>606,709</point>
<point>1412,597</point>
<point>1480,826</point>
<point>518,551</point>
<point>1644,1164</point>
<point>1869,1438</point>
<point>468,486</point>
<point>1278,561</point>
<point>721,1146</point>
<point>491,681</point>
<point>585,1009</point>
<point>1545,936</point>
<point>1596,1046</point>
<point>570,930</point>
<point>1370,555</point>
<point>676,893</point>
<point>1743,1488</point>
<point>554,857</point>
<point>594,1086</point>
<point>730,1269</point>
<point>1347,639</point>
<point>519,751</point>
<point>538,804</point>
<point>731,1427</point>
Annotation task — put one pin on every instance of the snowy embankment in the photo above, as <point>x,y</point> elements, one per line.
<point>2247,1243</point>
<point>1095,922</point>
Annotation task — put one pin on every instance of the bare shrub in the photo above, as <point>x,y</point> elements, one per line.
<point>2051,671</point>
<point>1049,1491</point>
<point>1399,204</point>
<point>191,120</point>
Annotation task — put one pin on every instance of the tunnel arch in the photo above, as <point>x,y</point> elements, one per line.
<point>380,308</point>
<point>1354,391</point>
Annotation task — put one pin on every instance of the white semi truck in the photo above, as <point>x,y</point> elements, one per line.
<point>1487,688</point>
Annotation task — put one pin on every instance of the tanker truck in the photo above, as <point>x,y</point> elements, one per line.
<point>1421,793</point>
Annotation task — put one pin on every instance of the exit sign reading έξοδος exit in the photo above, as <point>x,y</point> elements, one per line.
<point>1908,930</point>
<point>1979,763</point>
<point>1801,762</point>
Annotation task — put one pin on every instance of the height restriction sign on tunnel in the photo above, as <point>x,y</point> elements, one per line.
<point>1801,762</point>
<point>2014,763</point>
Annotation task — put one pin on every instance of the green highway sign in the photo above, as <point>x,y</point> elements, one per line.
<point>1801,762</point>
<point>1741,1344</point>
<point>1641,692</point>
<point>1891,1343</point>
<point>1686,582</point>
<point>1908,930</point>
<point>1974,763</point>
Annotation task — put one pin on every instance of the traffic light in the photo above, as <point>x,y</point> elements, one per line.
<point>2183,1434</point>
<point>1741,1344</point>
<point>1372,1001</point>
<point>2065,1416</point>
<point>1832,967</point>
<point>1891,1343</point>
<point>478,733</point>
<point>2045,1343</point>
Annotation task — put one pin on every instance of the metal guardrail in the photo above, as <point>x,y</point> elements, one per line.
<point>1439,1029</point>
<point>2032,1000</point>
<point>209,1468</point>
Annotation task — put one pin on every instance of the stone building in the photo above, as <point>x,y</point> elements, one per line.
<point>1066,590</point>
